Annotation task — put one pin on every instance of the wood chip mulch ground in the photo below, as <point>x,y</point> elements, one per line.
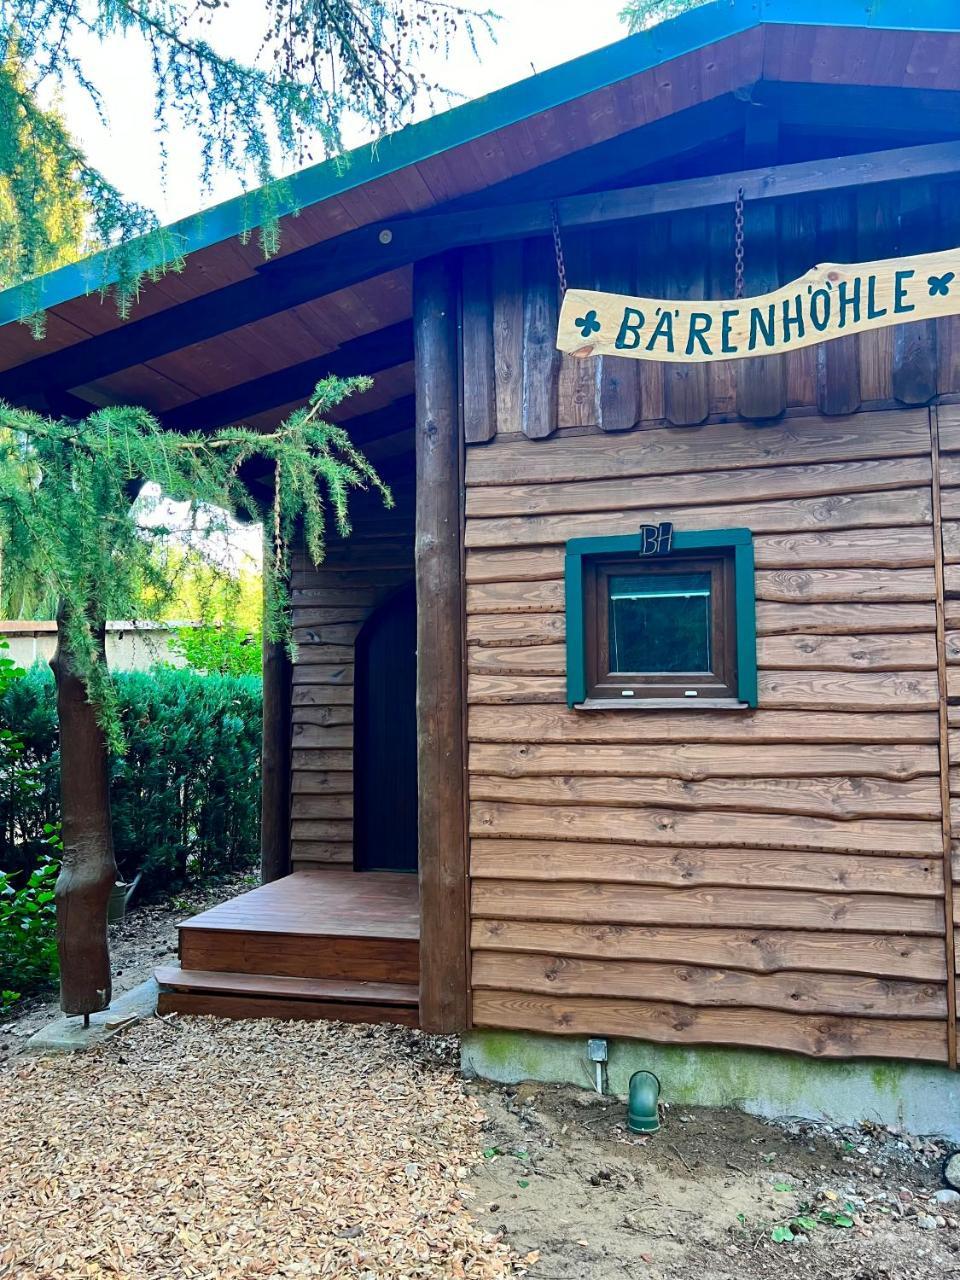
<point>223,1150</point>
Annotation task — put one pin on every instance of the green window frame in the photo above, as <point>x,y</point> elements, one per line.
<point>583,553</point>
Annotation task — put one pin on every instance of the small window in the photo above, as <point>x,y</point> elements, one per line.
<point>655,621</point>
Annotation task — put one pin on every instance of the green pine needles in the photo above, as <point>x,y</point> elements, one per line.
<point>314,65</point>
<point>68,529</point>
<point>640,15</point>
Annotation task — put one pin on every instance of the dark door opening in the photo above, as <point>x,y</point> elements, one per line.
<point>385,738</point>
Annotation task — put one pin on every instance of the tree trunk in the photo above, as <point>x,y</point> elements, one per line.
<point>89,871</point>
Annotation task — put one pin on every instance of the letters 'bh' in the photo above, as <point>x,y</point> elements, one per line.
<point>656,539</point>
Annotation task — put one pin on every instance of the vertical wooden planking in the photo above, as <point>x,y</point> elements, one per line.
<point>798,252</point>
<point>761,380</point>
<point>508,334</point>
<point>541,360</point>
<point>915,345</point>
<point>948,894</point>
<point>578,392</point>
<point>722,375</point>
<point>619,379</point>
<point>440,612</point>
<point>275,751</point>
<point>838,361</point>
<point>686,394</point>
<point>479,392</point>
<point>650,276</point>
<point>876,233</point>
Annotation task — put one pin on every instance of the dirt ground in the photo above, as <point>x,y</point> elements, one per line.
<point>146,937</point>
<point>579,1197</point>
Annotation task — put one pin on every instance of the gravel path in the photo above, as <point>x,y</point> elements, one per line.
<point>226,1150</point>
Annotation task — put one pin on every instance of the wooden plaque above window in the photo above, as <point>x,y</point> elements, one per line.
<point>661,621</point>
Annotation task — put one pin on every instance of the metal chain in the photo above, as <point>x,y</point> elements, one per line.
<point>738,241</point>
<point>558,249</point>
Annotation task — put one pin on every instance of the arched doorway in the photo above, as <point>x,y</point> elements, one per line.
<point>385,738</point>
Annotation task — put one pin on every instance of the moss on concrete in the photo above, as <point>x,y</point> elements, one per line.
<point>919,1097</point>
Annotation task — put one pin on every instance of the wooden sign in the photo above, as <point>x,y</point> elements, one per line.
<point>830,301</point>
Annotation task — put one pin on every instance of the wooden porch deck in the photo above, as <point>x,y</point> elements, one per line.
<point>316,944</point>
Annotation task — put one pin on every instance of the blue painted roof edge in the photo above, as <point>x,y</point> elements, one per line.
<point>596,70</point>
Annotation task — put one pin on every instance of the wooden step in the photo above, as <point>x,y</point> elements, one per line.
<point>330,924</point>
<point>245,995</point>
<point>295,955</point>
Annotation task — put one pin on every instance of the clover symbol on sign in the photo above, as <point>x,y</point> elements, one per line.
<point>588,324</point>
<point>940,285</point>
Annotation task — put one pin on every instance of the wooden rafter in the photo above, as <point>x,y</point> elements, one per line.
<point>370,353</point>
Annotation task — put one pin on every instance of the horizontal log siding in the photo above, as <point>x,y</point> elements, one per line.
<point>330,605</point>
<point>770,878</point>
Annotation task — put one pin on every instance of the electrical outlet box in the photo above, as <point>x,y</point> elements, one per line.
<point>597,1050</point>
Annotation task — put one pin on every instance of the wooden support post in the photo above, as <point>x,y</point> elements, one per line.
<point>88,870</point>
<point>275,755</point>
<point>440,641</point>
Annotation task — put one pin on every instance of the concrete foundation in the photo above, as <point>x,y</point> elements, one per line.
<point>917,1097</point>
<point>68,1035</point>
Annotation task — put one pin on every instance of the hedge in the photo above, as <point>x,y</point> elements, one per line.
<point>185,796</point>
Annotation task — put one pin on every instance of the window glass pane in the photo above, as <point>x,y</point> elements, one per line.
<point>660,622</point>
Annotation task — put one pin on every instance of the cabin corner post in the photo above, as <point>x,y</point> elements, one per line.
<point>275,752</point>
<point>440,605</point>
<point>946,807</point>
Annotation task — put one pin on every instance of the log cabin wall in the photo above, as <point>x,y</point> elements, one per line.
<point>330,605</point>
<point>769,878</point>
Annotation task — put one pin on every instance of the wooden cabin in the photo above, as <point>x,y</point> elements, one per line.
<point>536,767</point>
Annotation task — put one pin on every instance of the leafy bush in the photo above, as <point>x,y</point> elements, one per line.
<point>28,934</point>
<point>29,767</point>
<point>226,650</point>
<point>185,796</point>
<point>28,948</point>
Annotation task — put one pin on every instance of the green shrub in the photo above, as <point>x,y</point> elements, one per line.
<point>226,649</point>
<point>185,797</point>
<point>28,934</point>
<point>28,947</point>
<point>29,768</point>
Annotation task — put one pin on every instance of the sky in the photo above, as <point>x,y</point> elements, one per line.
<point>531,35</point>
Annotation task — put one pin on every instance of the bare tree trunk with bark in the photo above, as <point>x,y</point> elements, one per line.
<point>89,870</point>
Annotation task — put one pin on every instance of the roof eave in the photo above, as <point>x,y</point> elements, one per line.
<point>594,71</point>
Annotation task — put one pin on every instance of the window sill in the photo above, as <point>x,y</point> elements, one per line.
<point>662,704</point>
